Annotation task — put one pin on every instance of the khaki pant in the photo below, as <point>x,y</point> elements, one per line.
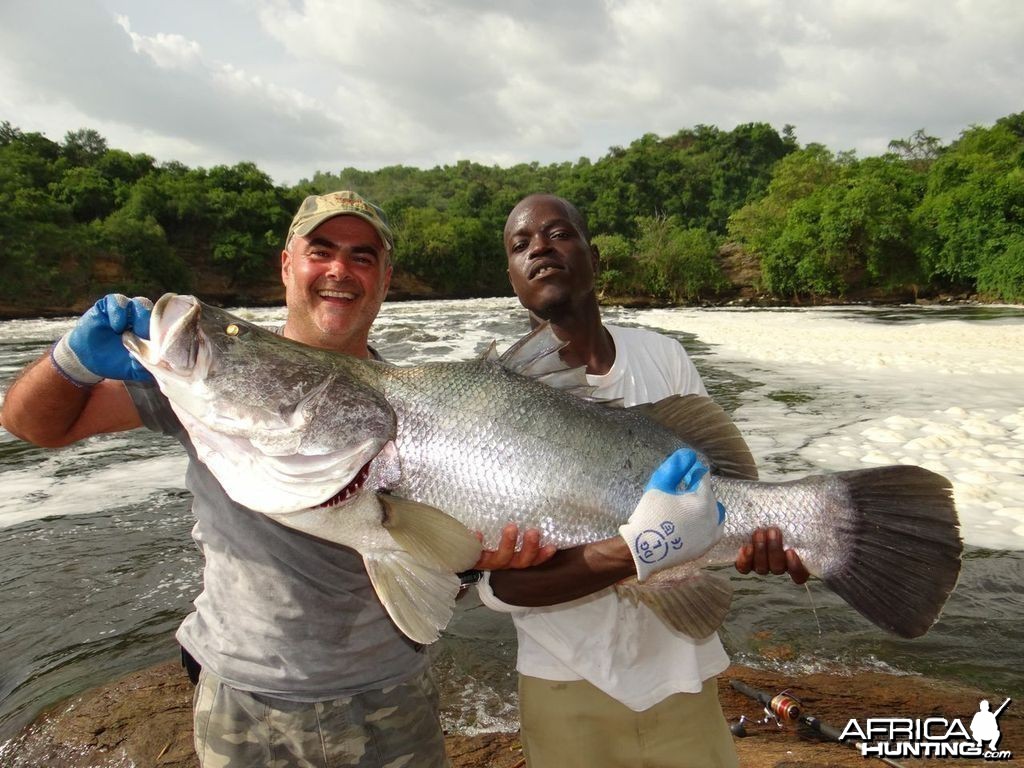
<point>571,724</point>
<point>397,727</point>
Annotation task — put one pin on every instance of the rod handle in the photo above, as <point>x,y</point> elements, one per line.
<point>829,731</point>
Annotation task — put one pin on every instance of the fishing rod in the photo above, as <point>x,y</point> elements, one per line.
<point>1002,706</point>
<point>784,708</point>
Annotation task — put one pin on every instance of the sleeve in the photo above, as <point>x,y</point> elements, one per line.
<point>488,598</point>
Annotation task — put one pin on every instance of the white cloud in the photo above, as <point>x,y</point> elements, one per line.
<point>166,51</point>
<point>317,85</point>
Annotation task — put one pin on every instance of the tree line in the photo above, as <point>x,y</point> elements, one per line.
<point>813,223</point>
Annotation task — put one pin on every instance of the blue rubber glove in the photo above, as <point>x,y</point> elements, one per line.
<point>92,350</point>
<point>678,518</point>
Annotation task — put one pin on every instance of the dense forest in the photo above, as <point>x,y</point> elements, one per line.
<point>673,217</point>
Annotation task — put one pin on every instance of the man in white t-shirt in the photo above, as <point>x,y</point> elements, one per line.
<point>603,681</point>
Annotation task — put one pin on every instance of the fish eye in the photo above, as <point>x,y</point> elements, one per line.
<point>232,330</point>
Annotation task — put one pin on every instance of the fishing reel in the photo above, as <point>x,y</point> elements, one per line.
<point>783,709</point>
<point>779,710</point>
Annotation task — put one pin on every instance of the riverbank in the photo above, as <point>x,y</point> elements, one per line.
<point>144,720</point>
<point>405,287</point>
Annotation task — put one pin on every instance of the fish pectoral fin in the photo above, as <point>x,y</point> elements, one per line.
<point>418,598</point>
<point>429,535</point>
<point>695,604</point>
<point>417,583</point>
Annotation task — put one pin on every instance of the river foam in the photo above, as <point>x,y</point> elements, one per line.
<point>845,391</point>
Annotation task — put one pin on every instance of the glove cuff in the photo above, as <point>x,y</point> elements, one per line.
<point>67,364</point>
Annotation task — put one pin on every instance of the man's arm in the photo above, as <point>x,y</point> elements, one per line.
<point>75,390</point>
<point>568,575</point>
<point>46,409</point>
<point>580,571</point>
<point>677,499</point>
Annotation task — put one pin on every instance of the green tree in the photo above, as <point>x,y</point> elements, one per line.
<point>83,147</point>
<point>88,193</point>
<point>972,214</point>
<point>919,150</point>
<point>152,267</point>
<point>619,272</point>
<point>830,223</point>
<point>455,254</point>
<point>779,228</point>
<point>244,218</point>
<point>8,133</point>
<point>678,263</point>
<point>867,233</point>
<point>43,249</point>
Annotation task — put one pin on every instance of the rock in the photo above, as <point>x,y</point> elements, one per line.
<point>145,720</point>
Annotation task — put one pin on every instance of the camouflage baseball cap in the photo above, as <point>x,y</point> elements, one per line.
<point>316,209</point>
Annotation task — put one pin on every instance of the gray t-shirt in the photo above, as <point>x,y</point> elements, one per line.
<point>281,612</point>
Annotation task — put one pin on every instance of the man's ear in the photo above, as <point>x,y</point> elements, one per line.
<point>286,266</point>
<point>595,258</point>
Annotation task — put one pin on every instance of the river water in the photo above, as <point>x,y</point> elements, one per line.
<point>98,567</point>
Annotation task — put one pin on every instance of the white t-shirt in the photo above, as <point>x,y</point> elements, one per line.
<point>621,648</point>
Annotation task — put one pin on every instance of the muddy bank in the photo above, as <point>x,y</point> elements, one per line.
<point>145,720</point>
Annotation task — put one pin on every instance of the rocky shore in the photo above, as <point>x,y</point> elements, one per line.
<point>144,720</point>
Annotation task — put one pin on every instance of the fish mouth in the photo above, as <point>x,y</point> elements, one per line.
<point>170,309</point>
<point>174,337</point>
<point>545,267</point>
<point>349,490</point>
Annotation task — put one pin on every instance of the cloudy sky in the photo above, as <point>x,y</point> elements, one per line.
<point>298,86</point>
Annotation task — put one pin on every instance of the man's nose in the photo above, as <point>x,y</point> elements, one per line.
<point>337,267</point>
<point>539,245</point>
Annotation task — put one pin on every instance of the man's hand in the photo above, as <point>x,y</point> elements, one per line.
<point>92,350</point>
<point>764,554</point>
<point>506,556</point>
<point>678,518</point>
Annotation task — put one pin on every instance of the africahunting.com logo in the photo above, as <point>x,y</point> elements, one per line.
<point>890,737</point>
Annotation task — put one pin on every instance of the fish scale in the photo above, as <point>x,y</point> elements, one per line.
<point>475,434</point>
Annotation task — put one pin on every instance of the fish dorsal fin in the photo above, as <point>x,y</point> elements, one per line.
<point>704,426</point>
<point>692,603</point>
<point>535,356</point>
<point>491,353</point>
<point>536,353</point>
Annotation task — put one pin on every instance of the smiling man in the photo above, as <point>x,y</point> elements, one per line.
<point>336,271</point>
<point>300,663</point>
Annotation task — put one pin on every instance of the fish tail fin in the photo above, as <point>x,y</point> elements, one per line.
<point>901,547</point>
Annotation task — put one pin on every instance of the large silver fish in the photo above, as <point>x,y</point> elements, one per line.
<point>386,459</point>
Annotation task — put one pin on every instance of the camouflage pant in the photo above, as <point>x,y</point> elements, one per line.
<point>397,727</point>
